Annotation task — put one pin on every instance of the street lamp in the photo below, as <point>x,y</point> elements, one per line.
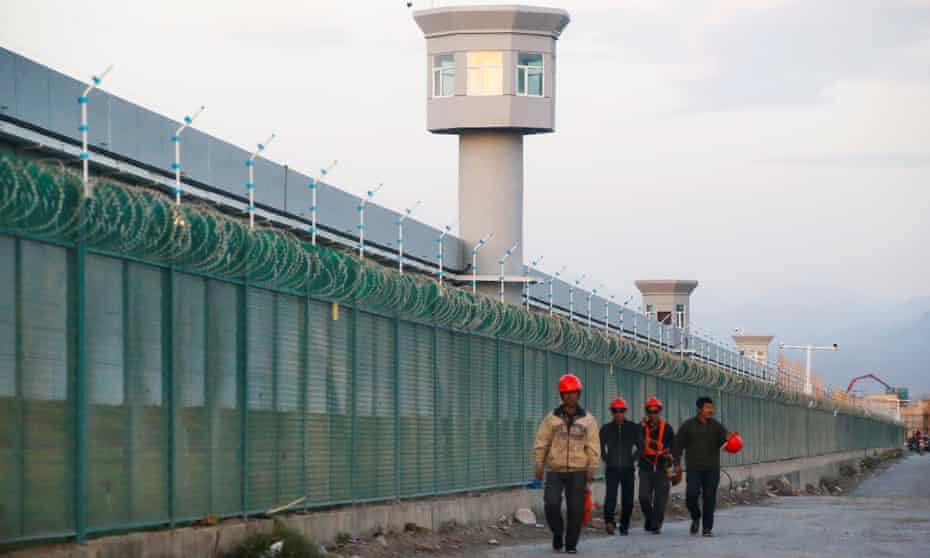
<point>176,165</point>
<point>400,235</point>
<point>551,281</point>
<point>474,262</point>
<point>361,218</point>
<point>808,388</point>
<point>314,186</point>
<point>526,280</point>
<point>571,297</point>
<point>250,186</point>
<point>83,128</point>
<point>502,261</point>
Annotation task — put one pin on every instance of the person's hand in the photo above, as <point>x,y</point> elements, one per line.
<point>678,474</point>
<point>589,476</point>
<point>644,421</point>
<point>539,473</point>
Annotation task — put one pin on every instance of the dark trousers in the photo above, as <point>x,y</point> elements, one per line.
<point>624,479</point>
<point>702,483</point>
<point>573,484</point>
<point>653,496</point>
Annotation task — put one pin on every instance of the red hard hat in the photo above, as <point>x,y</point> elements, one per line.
<point>618,403</point>
<point>653,402</point>
<point>569,382</point>
<point>734,443</point>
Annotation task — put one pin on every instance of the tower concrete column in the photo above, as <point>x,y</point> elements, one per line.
<point>491,201</point>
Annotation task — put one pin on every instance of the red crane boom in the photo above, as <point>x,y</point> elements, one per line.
<point>867,377</point>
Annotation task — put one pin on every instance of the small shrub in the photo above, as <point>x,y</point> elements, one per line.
<point>343,539</point>
<point>295,545</point>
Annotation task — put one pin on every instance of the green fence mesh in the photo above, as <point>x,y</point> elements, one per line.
<point>158,364</point>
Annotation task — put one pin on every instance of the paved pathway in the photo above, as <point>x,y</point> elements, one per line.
<point>887,516</point>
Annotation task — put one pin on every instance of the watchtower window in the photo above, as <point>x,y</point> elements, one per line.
<point>485,73</point>
<point>530,75</point>
<point>443,75</point>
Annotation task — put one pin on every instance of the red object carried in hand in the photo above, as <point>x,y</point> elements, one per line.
<point>734,443</point>
<point>588,506</point>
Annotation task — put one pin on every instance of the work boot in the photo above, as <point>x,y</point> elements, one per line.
<point>610,528</point>
<point>707,533</point>
<point>695,526</point>
<point>624,531</point>
<point>557,543</point>
<point>571,550</point>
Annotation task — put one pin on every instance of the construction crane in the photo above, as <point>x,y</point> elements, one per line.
<point>867,377</point>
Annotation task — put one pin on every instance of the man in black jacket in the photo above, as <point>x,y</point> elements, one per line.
<point>654,464</point>
<point>700,438</point>
<point>617,440</point>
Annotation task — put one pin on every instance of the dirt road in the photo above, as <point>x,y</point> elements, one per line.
<point>888,515</point>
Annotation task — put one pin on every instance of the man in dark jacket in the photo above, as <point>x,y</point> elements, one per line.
<point>617,440</point>
<point>654,463</point>
<point>700,439</point>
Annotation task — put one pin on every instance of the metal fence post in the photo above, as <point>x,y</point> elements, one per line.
<point>396,407</point>
<point>275,413</point>
<point>20,427</point>
<point>80,396</point>
<point>304,386</point>
<point>242,361</point>
<point>353,468</point>
<point>167,379</point>
<point>497,411</point>
<point>436,396</point>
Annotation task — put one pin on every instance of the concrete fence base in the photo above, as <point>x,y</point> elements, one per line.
<point>431,513</point>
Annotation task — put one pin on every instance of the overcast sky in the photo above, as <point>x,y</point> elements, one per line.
<point>749,144</point>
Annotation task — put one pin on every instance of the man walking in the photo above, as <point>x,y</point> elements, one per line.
<point>617,440</point>
<point>700,439</point>
<point>567,445</point>
<point>654,462</point>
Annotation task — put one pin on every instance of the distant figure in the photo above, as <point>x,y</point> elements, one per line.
<point>567,444</point>
<point>700,439</point>
<point>618,437</point>
<point>654,463</point>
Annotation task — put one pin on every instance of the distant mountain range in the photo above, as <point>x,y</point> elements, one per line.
<point>888,339</point>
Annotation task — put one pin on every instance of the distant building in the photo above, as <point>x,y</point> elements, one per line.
<point>916,416</point>
<point>667,301</point>
<point>886,404</point>
<point>755,347</point>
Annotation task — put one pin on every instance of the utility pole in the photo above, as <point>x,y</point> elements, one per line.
<point>808,388</point>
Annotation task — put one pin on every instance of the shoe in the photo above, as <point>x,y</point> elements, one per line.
<point>557,543</point>
<point>695,526</point>
<point>610,528</point>
<point>707,533</point>
<point>656,531</point>
<point>624,531</point>
<point>571,550</point>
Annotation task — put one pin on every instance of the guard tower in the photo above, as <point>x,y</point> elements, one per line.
<point>668,301</point>
<point>490,79</point>
<point>755,347</point>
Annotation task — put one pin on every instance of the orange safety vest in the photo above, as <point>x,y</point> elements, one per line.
<point>652,455</point>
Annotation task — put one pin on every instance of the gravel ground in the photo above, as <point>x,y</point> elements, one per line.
<point>888,515</point>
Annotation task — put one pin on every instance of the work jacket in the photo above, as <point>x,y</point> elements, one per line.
<point>700,442</point>
<point>567,444</point>
<point>617,442</point>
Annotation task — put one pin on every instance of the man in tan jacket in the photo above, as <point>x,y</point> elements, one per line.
<point>568,445</point>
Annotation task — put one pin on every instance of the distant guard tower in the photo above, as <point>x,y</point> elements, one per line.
<point>755,347</point>
<point>490,77</point>
<point>668,301</point>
